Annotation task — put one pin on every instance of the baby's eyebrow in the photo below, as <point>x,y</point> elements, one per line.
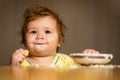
<point>48,28</point>
<point>30,29</point>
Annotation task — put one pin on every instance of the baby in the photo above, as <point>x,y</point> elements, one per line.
<point>42,34</point>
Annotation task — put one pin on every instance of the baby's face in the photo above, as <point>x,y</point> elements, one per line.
<point>42,36</point>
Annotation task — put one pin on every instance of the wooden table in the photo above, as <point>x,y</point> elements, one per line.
<point>50,73</point>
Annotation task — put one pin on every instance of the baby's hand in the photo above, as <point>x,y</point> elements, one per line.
<point>90,51</point>
<point>18,56</point>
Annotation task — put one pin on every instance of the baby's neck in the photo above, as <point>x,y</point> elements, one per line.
<point>45,61</point>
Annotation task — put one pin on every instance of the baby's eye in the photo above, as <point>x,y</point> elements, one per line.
<point>33,32</point>
<point>47,31</point>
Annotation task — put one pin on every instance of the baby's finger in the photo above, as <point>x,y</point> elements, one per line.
<point>90,51</point>
<point>19,58</point>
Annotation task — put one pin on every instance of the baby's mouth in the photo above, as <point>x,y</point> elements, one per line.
<point>40,43</point>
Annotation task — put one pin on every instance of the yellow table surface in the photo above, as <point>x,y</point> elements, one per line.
<point>50,73</point>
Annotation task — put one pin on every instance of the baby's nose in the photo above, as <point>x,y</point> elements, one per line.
<point>40,36</point>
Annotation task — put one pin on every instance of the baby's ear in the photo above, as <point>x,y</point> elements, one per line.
<point>58,45</point>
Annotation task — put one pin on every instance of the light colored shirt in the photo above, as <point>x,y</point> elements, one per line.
<point>60,60</point>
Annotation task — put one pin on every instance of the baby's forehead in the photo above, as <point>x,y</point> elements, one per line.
<point>43,23</point>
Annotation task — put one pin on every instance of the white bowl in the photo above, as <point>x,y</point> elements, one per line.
<point>85,58</point>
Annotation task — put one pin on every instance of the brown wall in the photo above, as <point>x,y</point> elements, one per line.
<point>91,24</point>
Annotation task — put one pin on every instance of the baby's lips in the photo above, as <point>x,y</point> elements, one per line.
<point>26,52</point>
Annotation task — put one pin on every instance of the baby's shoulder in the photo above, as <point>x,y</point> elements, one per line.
<point>64,57</point>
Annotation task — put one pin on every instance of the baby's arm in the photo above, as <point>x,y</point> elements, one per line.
<point>18,56</point>
<point>91,51</point>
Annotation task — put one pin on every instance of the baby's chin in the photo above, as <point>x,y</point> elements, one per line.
<point>40,54</point>
<point>40,48</point>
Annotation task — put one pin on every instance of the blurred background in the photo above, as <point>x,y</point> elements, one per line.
<point>91,24</point>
